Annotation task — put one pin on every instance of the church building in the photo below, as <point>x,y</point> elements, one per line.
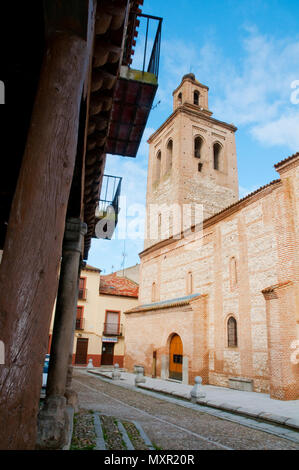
<point>219,299</point>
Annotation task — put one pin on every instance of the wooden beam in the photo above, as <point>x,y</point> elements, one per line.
<point>67,15</point>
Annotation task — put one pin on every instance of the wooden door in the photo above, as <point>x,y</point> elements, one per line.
<point>176,358</point>
<point>81,351</point>
<point>107,354</point>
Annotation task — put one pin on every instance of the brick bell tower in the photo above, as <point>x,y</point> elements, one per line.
<point>192,158</point>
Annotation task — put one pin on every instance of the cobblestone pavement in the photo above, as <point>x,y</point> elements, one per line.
<point>170,426</point>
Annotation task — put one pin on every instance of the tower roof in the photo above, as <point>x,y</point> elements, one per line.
<point>191,77</point>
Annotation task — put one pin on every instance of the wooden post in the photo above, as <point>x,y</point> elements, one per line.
<point>53,422</point>
<point>32,251</point>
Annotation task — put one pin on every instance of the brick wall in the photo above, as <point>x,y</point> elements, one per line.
<point>257,232</point>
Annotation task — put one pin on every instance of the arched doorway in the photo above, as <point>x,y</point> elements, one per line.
<point>175,358</point>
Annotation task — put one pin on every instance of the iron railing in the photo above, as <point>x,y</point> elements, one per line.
<point>113,329</point>
<point>153,63</point>
<point>111,187</point>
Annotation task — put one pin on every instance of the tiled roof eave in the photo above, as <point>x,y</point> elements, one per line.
<point>119,294</point>
<point>164,304</point>
<point>226,212</point>
<point>287,161</point>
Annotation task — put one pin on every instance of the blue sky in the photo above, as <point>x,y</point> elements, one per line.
<point>247,52</point>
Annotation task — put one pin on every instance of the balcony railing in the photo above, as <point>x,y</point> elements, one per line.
<point>137,21</point>
<point>108,207</point>
<point>113,329</point>
<point>82,294</point>
<point>136,85</point>
<point>110,193</point>
<point>80,323</point>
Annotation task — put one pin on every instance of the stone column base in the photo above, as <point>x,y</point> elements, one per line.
<point>72,399</point>
<point>53,424</point>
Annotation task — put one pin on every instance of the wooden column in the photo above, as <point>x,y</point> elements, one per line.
<point>53,423</point>
<point>66,307</point>
<point>32,251</point>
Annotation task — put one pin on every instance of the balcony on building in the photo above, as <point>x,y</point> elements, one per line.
<point>80,323</point>
<point>106,216</point>
<point>113,329</point>
<point>82,293</point>
<point>136,87</point>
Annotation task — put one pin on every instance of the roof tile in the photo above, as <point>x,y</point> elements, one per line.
<point>112,284</point>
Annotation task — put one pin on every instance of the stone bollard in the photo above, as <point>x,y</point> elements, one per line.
<point>139,376</point>
<point>90,364</point>
<point>116,372</point>
<point>197,391</point>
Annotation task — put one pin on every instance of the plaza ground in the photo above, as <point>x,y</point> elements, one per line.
<point>171,425</point>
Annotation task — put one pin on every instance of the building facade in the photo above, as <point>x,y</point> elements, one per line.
<point>100,321</point>
<point>220,300</point>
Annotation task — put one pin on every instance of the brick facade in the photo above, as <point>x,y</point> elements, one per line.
<point>244,263</point>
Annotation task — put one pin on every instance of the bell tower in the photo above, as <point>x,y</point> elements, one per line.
<point>192,158</point>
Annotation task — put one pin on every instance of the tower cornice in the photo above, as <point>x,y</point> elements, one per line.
<point>191,110</point>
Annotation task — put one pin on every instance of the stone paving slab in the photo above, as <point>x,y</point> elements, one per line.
<point>125,436</point>
<point>100,441</point>
<point>255,405</point>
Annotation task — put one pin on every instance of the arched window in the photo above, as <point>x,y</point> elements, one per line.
<point>180,99</point>
<point>232,338</point>
<point>197,146</point>
<point>157,167</point>
<point>169,150</point>
<point>233,274</point>
<point>154,292</point>
<point>196,97</point>
<point>217,151</point>
<point>189,283</point>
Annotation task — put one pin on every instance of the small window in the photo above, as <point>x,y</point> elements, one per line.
<point>196,98</point>
<point>154,292</point>
<point>189,283</point>
<point>232,339</point>
<point>197,147</point>
<point>169,150</point>
<point>217,152</point>
<point>233,274</point>
<point>178,359</point>
<point>157,167</point>
<point>180,99</point>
